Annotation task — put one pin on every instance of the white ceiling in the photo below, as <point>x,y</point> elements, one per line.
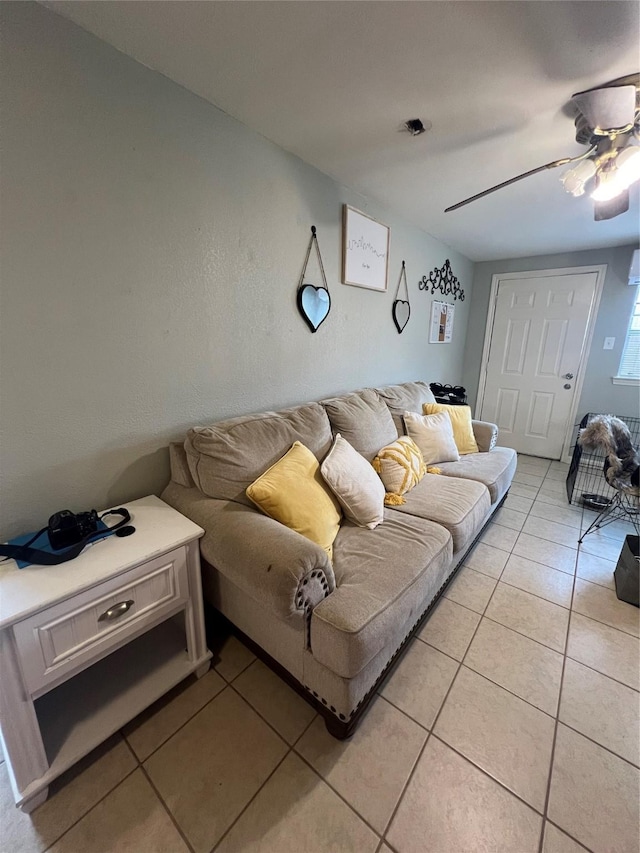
<point>333,82</point>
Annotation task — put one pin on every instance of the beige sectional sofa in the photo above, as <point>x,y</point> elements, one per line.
<point>332,628</point>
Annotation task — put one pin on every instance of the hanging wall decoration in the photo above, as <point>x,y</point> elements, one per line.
<point>365,250</point>
<point>443,280</point>
<point>314,303</point>
<point>401,310</point>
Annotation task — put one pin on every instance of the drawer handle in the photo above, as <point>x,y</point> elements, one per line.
<point>116,611</point>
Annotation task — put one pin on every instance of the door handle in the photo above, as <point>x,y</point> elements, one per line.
<point>566,386</point>
<point>568,376</point>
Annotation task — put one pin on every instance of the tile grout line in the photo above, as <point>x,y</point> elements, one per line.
<point>550,771</point>
<point>593,669</point>
<point>489,776</point>
<point>304,731</point>
<point>155,790</point>
<point>227,685</point>
<point>596,743</point>
<point>431,730</point>
<point>264,719</point>
<point>586,665</point>
<point>167,810</point>
<point>180,727</point>
<point>598,621</point>
<point>287,753</point>
<point>340,796</point>
<point>557,717</point>
<point>404,713</point>
<point>532,560</point>
<point>246,806</point>
<point>91,808</point>
<point>509,628</point>
<point>560,829</point>
<point>535,594</point>
<point>238,674</point>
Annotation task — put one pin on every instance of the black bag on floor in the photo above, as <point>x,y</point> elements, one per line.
<point>627,572</point>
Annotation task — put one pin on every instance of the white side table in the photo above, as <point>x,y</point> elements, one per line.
<point>86,645</point>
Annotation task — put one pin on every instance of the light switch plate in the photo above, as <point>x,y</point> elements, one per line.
<point>609,343</point>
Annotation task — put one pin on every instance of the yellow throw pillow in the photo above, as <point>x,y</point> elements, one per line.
<point>293,492</point>
<point>461,423</point>
<point>401,467</point>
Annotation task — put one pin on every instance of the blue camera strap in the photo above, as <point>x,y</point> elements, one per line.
<point>22,551</point>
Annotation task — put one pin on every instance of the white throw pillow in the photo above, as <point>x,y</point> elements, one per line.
<point>434,436</point>
<point>355,484</point>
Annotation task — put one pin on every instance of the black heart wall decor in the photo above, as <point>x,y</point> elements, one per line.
<point>314,303</point>
<point>401,310</point>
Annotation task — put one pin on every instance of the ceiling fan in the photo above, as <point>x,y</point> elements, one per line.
<point>608,122</point>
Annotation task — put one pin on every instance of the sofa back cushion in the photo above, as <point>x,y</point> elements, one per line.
<point>408,397</point>
<point>363,419</point>
<point>228,456</point>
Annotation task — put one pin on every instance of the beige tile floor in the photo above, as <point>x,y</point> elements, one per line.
<point>510,725</point>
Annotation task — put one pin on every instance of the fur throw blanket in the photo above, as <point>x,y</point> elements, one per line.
<point>612,437</point>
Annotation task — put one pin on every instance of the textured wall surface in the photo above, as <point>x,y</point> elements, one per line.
<point>151,247</point>
<point>599,394</point>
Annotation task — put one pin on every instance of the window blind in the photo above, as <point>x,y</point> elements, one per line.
<point>630,362</point>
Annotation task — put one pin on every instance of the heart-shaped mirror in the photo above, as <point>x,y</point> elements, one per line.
<point>401,313</point>
<point>314,304</point>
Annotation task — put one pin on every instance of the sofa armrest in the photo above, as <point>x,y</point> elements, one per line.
<point>486,435</point>
<point>271,563</point>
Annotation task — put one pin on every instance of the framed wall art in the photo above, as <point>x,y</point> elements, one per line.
<point>365,257</point>
<point>441,328</point>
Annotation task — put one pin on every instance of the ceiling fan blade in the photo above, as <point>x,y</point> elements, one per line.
<point>608,107</point>
<point>552,165</point>
<point>613,207</point>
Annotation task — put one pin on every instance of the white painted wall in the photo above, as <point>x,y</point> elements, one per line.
<point>151,248</point>
<point>599,394</point>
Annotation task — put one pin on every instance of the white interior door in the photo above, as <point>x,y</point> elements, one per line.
<point>536,350</point>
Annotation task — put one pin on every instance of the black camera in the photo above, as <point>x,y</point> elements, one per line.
<point>66,528</point>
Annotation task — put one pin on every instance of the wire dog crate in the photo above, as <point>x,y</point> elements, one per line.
<point>586,484</point>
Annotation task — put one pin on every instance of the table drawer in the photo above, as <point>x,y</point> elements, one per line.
<point>82,629</point>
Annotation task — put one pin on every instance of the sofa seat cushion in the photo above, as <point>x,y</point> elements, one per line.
<point>363,420</point>
<point>228,456</point>
<point>495,469</point>
<point>459,505</point>
<point>384,577</point>
<point>407,397</point>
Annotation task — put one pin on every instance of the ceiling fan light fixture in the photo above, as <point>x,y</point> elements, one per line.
<point>628,165</point>
<point>614,181</point>
<point>575,179</point>
<point>608,186</point>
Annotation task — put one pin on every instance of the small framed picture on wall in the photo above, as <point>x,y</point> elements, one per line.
<point>365,257</point>
<point>441,328</point>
